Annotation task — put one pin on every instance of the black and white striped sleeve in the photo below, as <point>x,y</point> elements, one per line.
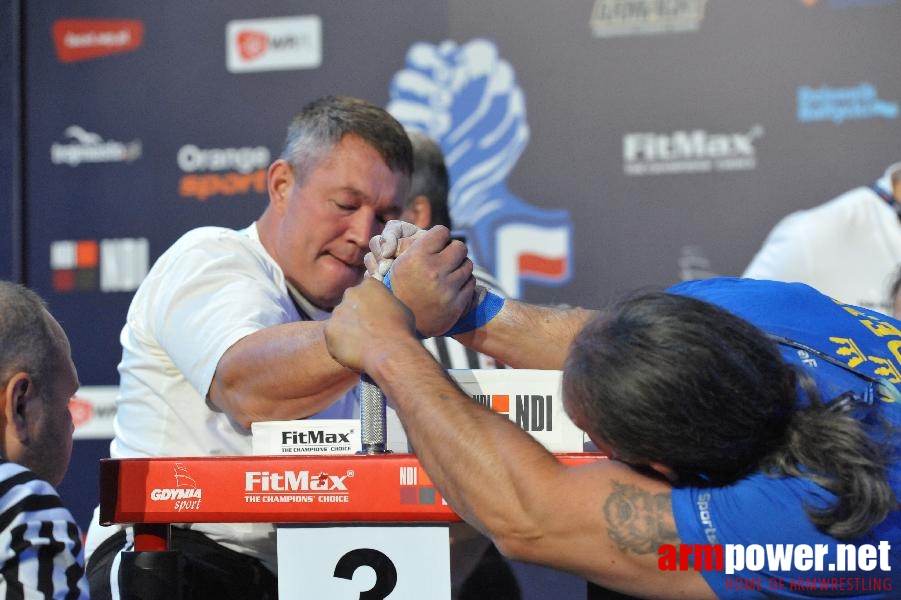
<point>41,554</point>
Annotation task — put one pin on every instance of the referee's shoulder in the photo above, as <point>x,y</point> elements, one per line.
<point>22,491</point>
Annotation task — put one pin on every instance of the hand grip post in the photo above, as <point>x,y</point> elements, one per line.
<point>373,418</point>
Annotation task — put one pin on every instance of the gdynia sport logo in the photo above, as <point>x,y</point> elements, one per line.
<point>796,561</point>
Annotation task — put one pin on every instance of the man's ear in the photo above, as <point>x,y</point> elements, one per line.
<point>420,210</point>
<point>19,393</point>
<point>280,178</point>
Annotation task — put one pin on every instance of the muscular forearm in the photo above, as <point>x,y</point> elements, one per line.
<point>484,465</point>
<point>282,372</point>
<point>527,336</point>
<point>509,487</point>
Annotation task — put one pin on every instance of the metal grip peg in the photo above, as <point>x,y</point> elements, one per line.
<point>373,419</point>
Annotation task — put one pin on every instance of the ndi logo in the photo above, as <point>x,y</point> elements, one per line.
<point>532,412</point>
<point>840,104</point>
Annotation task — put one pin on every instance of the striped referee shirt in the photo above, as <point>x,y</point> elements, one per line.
<point>41,552</point>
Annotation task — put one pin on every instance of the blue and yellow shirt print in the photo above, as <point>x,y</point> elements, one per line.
<point>844,349</point>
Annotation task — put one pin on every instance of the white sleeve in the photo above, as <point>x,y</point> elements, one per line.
<point>210,295</point>
<point>785,253</point>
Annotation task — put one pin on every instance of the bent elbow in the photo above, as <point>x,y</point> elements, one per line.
<point>516,546</point>
<point>516,541</point>
<point>223,396</point>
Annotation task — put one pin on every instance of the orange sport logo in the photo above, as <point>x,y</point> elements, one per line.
<point>211,172</point>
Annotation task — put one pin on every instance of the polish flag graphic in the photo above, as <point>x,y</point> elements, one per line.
<point>527,251</point>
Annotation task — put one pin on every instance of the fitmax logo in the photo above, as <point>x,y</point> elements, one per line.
<point>293,481</point>
<point>694,151</point>
<point>314,437</point>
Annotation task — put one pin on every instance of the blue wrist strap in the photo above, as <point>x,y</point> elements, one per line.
<point>387,280</point>
<point>484,311</point>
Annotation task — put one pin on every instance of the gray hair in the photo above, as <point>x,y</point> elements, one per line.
<point>321,124</point>
<point>27,341</point>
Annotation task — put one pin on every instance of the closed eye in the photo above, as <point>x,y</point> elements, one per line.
<point>344,206</point>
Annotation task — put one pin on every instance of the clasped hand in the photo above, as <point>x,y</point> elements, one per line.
<point>431,287</point>
<point>429,272</point>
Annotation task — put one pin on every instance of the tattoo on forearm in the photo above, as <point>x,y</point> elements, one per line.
<point>638,521</point>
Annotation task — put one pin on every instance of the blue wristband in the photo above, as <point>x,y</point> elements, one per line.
<point>484,311</point>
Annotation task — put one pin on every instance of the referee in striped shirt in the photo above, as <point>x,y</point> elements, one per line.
<point>40,543</point>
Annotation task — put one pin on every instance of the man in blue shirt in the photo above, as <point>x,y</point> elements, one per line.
<point>752,427</point>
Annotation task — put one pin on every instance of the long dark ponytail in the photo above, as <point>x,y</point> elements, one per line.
<point>671,379</point>
<point>845,452</point>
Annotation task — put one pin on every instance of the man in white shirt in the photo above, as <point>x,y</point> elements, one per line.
<point>848,248</point>
<point>227,330</point>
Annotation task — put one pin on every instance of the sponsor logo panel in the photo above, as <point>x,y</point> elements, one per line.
<point>840,104</point>
<point>532,412</point>
<point>696,151</point>
<point>86,147</point>
<point>93,409</point>
<point>618,18</point>
<point>306,437</point>
<point>290,486</point>
<point>416,487</point>
<point>530,398</point>
<point>85,39</point>
<point>183,495</point>
<point>211,172</point>
<point>107,265</point>
<point>285,43</point>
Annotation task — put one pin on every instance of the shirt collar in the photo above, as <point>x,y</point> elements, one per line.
<point>304,306</point>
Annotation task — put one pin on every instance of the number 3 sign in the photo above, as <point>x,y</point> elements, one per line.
<point>372,562</point>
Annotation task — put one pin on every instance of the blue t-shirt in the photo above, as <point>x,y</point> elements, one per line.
<point>844,348</point>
